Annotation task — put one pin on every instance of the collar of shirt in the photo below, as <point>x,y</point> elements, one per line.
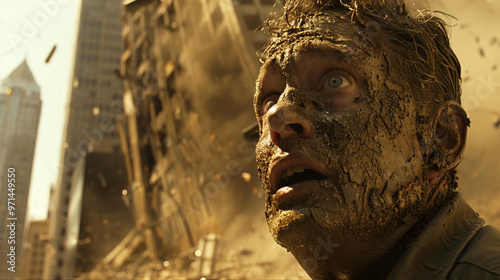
<point>437,248</point>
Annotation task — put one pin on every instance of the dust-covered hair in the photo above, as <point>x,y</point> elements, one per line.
<point>418,44</point>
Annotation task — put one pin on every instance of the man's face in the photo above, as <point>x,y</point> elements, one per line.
<point>338,155</point>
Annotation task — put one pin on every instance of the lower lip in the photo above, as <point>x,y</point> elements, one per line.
<point>296,194</point>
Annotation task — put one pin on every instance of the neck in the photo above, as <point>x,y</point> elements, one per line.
<point>359,255</point>
<point>382,268</point>
<point>439,195</point>
<point>372,255</point>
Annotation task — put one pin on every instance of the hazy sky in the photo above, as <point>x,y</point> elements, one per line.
<point>29,29</point>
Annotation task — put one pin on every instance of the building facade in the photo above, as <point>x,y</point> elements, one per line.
<point>189,69</point>
<point>20,106</point>
<point>95,102</point>
<point>35,247</point>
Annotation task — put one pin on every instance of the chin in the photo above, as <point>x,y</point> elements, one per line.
<point>315,249</point>
<point>294,228</point>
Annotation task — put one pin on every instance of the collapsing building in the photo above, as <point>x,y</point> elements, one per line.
<point>189,69</point>
<point>178,196</point>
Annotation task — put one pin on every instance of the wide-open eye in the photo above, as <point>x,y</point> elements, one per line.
<point>336,82</point>
<point>337,88</point>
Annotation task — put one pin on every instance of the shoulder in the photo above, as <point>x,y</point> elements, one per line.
<point>481,258</point>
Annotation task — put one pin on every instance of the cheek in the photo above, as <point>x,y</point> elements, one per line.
<point>264,153</point>
<point>367,149</point>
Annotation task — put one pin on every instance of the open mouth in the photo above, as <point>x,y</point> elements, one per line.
<point>298,174</point>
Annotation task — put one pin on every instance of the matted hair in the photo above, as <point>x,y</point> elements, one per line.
<point>419,45</point>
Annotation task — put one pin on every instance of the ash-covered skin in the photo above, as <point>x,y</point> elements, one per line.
<point>326,100</point>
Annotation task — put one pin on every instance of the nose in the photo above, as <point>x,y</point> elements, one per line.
<point>284,122</point>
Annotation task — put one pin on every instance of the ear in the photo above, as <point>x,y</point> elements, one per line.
<point>450,133</point>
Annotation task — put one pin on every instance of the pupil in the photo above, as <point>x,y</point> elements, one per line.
<point>335,82</point>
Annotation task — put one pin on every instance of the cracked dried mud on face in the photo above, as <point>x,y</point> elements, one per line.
<point>368,144</point>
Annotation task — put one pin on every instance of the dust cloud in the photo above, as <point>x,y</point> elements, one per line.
<point>247,249</point>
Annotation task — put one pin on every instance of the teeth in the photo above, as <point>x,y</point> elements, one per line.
<point>290,171</point>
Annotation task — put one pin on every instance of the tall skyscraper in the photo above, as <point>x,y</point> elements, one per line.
<point>20,106</point>
<point>95,102</point>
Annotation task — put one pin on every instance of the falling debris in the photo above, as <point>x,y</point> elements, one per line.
<point>49,57</point>
<point>481,52</point>
<point>493,40</point>
<point>463,26</point>
<point>255,191</point>
<point>246,176</point>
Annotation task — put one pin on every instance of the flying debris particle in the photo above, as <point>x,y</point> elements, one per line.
<point>47,60</point>
<point>255,191</point>
<point>246,252</point>
<point>477,39</point>
<point>103,181</point>
<point>493,40</point>
<point>463,26</point>
<point>212,137</point>
<point>466,79</point>
<point>169,68</point>
<point>497,124</point>
<point>246,176</point>
<point>481,52</point>
<point>494,67</point>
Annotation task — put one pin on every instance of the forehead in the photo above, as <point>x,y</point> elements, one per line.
<point>331,27</point>
<point>329,36</point>
<point>307,50</point>
<point>312,54</point>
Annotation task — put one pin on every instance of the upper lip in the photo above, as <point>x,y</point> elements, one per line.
<point>279,165</point>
